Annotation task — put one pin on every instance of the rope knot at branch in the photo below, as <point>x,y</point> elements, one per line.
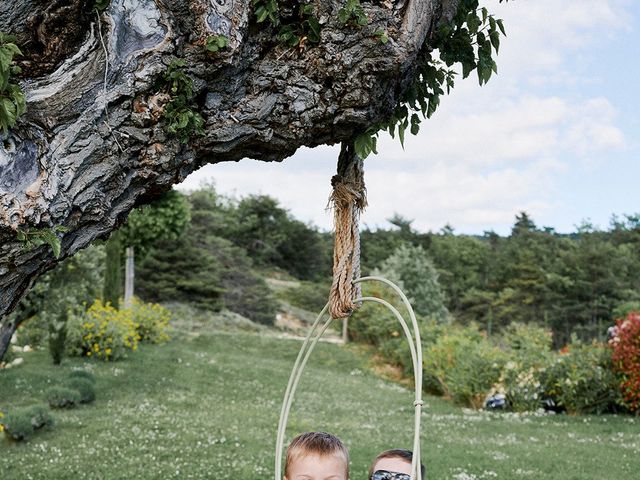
<point>348,199</point>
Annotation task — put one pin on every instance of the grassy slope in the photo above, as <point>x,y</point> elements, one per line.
<point>207,407</point>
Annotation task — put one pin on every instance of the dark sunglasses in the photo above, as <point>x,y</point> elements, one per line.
<point>385,475</point>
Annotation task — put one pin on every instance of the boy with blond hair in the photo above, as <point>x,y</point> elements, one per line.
<point>316,456</point>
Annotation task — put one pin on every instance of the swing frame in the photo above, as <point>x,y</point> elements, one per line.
<point>309,344</point>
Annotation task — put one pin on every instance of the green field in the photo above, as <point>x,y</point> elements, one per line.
<point>207,406</point>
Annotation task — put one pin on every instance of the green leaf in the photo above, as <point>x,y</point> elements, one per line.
<point>55,246</point>
<point>401,129</point>
<point>261,14</point>
<point>101,5</point>
<point>9,109</point>
<point>415,124</point>
<point>314,30</point>
<point>473,23</point>
<point>364,144</point>
<point>501,27</point>
<point>381,36</point>
<point>495,40</point>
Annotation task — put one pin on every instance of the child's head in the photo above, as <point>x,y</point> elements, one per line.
<point>397,461</point>
<point>316,456</point>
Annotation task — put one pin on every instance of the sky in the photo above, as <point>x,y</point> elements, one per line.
<point>556,134</point>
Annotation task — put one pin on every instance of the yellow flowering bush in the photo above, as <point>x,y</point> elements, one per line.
<point>102,332</point>
<point>151,321</point>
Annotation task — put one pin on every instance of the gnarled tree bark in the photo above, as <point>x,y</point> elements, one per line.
<point>92,144</point>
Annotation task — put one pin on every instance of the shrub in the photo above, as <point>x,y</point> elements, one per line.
<point>40,416</point>
<point>32,332</point>
<point>151,321</point>
<point>85,387</point>
<point>520,381</point>
<point>625,346</point>
<point>61,397</point>
<point>57,337</point>
<point>581,379</point>
<point>82,374</point>
<point>17,425</point>
<point>102,332</point>
<point>528,339</point>
<point>464,365</point>
<point>308,296</point>
<point>411,268</point>
<point>22,422</point>
<point>373,323</point>
<point>376,325</point>
<point>529,351</point>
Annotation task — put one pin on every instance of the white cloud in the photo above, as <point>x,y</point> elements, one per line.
<point>542,34</point>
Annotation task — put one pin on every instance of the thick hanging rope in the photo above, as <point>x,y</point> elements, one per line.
<point>348,199</point>
<point>316,332</point>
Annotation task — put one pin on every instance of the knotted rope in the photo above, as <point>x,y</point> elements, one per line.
<point>348,199</point>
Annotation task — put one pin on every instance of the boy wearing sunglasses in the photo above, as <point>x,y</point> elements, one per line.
<point>316,456</point>
<point>393,465</point>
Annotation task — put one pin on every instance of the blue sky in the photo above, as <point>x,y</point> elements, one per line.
<point>556,134</point>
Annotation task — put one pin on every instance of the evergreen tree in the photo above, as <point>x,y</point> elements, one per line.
<point>413,271</point>
<point>113,271</point>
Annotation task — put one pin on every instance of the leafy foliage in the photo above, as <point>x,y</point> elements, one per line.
<point>297,28</point>
<point>85,388</point>
<point>57,337</point>
<point>112,289</point>
<point>626,359</point>
<point>413,271</point>
<point>82,374</point>
<point>12,99</point>
<point>381,36</point>
<point>178,270</point>
<point>309,296</point>
<point>206,270</point>
<point>165,218</point>
<point>215,43</point>
<point>469,41</point>
<point>102,332</point>
<point>101,5</point>
<point>19,424</point>
<point>180,113</point>
<point>353,14</point>
<point>581,379</point>
<point>151,321</point>
<point>71,283</point>
<point>33,238</point>
<point>266,10</point>
<point>306,28</point>
<point>464,364</point>
<point>63,397</point>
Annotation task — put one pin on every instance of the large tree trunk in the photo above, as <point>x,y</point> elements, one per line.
<point>92,146</point>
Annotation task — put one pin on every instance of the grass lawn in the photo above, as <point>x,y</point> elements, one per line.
<point>207,407</point>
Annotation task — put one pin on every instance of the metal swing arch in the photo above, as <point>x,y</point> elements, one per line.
<point>310,343</point>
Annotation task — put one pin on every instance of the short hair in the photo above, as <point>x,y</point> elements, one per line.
<point>318,443</point>
<point>406,455</point>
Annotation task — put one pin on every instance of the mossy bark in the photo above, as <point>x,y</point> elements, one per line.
<point>92,144</point>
